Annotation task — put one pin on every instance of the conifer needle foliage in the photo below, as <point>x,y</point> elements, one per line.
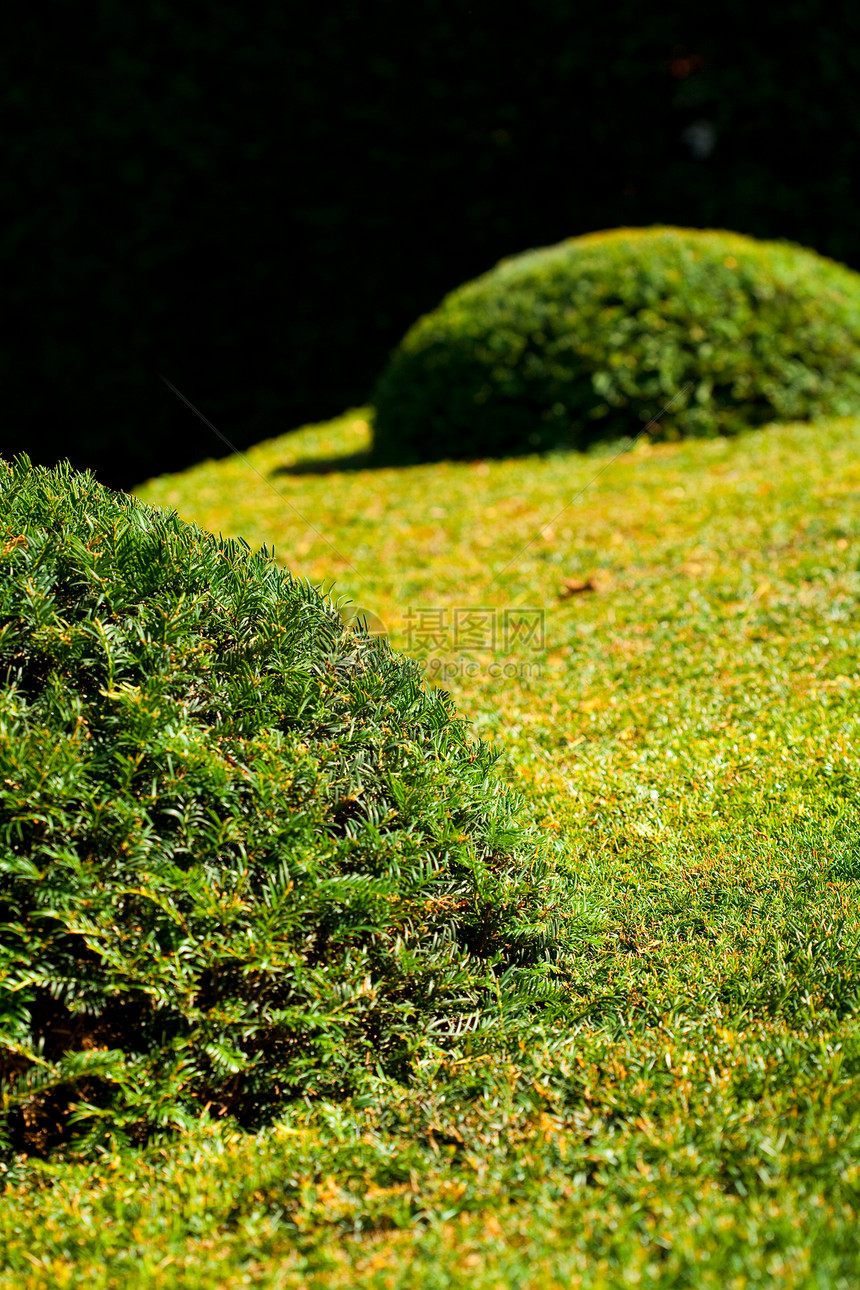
<point>244,856</point>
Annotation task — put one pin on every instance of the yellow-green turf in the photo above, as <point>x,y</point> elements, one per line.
<point>689,727</point>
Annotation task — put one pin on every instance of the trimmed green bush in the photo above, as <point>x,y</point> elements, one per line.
<point>591,339</point>
<point>244,856</point>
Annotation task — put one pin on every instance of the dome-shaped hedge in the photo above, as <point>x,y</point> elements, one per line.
<point>591,338</point>
<point>243,855</point>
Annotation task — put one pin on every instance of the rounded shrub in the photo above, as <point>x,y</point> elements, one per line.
<point>592,338</point>
<point>244,856</point>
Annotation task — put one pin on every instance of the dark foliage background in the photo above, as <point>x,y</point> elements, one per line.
<point>259,201</point>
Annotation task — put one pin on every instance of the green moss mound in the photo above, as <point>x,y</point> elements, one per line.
<point>591,339</point>
<point>244,857</point>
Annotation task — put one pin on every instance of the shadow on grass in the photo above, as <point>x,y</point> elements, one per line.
<point>367,460</point>
<point>328,465</point>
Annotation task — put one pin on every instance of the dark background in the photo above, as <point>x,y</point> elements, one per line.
<point>258,201</point>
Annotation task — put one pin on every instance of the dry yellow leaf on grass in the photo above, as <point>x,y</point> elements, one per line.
<point>600,580</point>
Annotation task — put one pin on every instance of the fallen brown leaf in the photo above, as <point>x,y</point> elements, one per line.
<point>598,581</point>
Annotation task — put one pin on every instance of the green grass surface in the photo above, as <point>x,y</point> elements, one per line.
<point>690,729</point>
